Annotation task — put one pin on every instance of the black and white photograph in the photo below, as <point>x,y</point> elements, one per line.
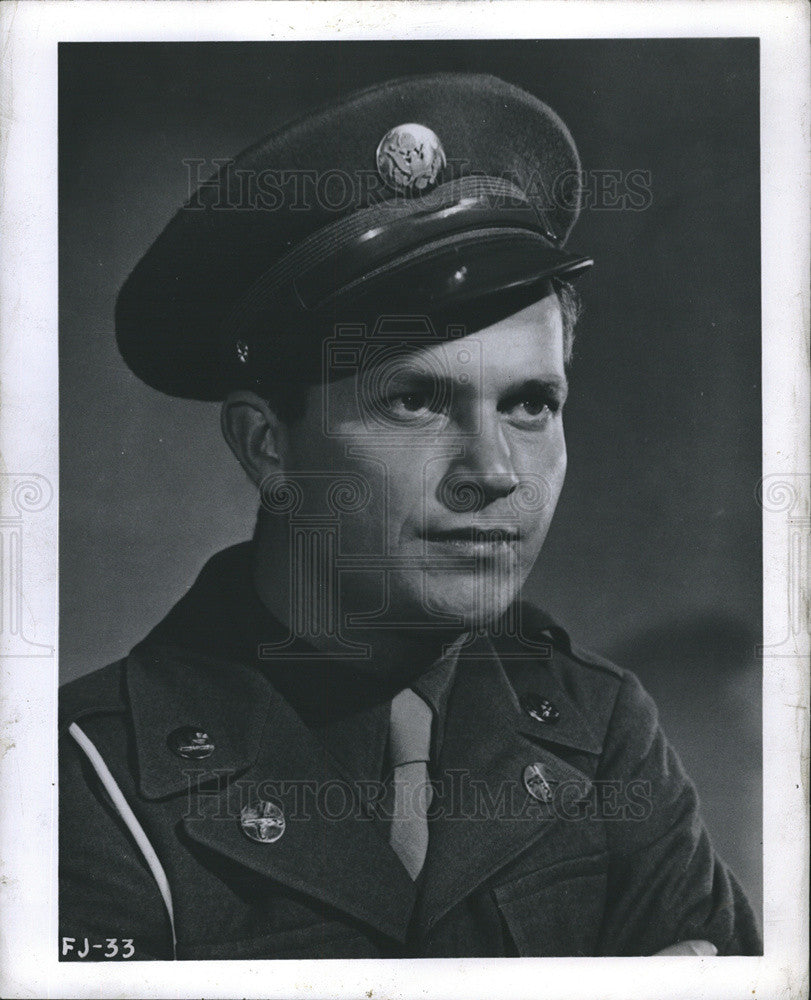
<point>413,587</point>
<point>356,731</point>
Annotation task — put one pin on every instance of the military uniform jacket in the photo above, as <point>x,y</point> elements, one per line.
<point>597,850</point>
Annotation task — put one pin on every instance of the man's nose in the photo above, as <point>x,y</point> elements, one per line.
<point>483,473</point>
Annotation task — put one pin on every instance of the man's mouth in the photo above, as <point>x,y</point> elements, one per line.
<point>474,539</point>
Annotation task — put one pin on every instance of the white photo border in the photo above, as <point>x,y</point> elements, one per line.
<point>29,427</point>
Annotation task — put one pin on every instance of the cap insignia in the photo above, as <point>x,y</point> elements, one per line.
<point>410,157</point>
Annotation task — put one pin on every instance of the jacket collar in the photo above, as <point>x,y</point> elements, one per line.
<point>199,668</point>
<point>170,688</point>
<point>537,659</point>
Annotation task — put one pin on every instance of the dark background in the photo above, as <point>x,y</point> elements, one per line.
<point>654,557</point>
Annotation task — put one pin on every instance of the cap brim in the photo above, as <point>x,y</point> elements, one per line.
<point>473,265</point>
<point>466,283</point>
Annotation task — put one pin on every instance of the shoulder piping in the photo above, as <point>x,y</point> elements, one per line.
<point>128,816</point>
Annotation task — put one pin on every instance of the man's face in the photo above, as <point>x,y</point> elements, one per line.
<point>458,451</point>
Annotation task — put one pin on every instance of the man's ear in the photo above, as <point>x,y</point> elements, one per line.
<point>254,434</point>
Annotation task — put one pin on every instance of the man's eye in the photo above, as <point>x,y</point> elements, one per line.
<point>408,405</point>
<point>412,401</point>
<point>532,407</point>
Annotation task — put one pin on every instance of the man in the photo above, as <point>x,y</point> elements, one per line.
<point>351,738</point>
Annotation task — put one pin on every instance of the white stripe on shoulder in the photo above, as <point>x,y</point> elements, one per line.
<point>130,819</point>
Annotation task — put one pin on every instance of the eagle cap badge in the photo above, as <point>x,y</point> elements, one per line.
<point>410,157</point>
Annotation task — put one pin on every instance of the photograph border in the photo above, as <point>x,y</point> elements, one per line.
<point>29,447</point>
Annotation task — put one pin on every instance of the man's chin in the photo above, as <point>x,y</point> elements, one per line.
<point>475,604</point>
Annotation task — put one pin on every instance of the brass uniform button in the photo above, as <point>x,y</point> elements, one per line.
<point>262,821</point>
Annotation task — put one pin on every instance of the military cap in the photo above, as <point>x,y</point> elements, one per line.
<point>448,196</point>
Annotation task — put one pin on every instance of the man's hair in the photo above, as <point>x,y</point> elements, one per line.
<point>571,308</point>
<point>288,399</point>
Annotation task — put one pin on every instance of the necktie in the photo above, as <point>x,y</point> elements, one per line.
<point>409,746</point>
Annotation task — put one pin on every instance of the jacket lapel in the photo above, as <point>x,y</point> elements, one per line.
<point>333,848</point>
<point>485,814</point>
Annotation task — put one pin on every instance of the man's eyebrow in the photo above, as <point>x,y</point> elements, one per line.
<point>431,380</point>
<point>554,384</point>
<point>419,377</point>
<point>416,374</point>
